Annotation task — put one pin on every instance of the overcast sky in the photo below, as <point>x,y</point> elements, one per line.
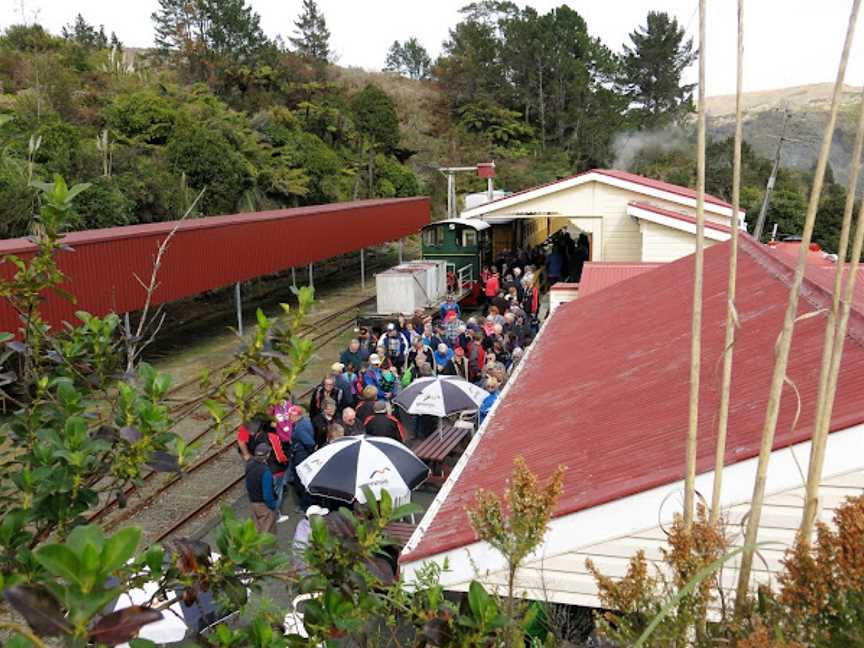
<point>789,42</point>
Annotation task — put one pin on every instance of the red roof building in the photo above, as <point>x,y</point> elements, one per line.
<point>604,391</point>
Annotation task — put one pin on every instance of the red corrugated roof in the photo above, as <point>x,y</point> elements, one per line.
<point>605,391</point>
<point>208,253</point>
<point>598,276</point>
<point>678,215</point>
<point>662,186</point>
<point>627,177</point>
<point>815,255</point>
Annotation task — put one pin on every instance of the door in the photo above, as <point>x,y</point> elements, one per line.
<point>593,227</point>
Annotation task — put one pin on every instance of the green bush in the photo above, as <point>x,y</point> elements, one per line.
<point>59,150</point>
<point>104,205</point>
<point>327,182</point>
<point>155,192</point>
<point>210,160</point>
<point>16,198</point>
<point>142,116</point>
<point>375,116</point>
<point>394,180</point>
<point>29,38</point>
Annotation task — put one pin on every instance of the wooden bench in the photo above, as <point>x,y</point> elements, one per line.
<point>400,532</point>
<point>437,447</point>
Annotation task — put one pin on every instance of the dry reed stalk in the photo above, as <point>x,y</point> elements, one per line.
<point>785,340</point>
<point>835,334</point>
<point>696,322</point>
<point>731,318</point>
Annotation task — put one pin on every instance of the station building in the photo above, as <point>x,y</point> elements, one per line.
<point>627,217</point>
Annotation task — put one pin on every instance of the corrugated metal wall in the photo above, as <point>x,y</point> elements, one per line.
<point>208,253</point>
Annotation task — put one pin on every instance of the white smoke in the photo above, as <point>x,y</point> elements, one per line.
<point>629,144</point>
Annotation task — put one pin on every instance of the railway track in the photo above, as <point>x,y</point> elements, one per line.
<point>159,506</point>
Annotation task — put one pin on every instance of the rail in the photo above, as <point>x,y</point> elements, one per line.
<point>464,278</point>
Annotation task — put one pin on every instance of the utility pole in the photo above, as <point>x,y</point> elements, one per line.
<point>769,188</point>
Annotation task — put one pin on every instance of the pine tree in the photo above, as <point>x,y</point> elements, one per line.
<point>172,24</point>
<point>312,38</point>
<point>410,59</point>
<point>202,31</point>
<point>84,34</point>
<point>652,70</point>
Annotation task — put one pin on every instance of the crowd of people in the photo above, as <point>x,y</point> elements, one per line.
<point>355,397</point>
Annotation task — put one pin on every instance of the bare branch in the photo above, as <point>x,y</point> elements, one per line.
<point>134,349</point>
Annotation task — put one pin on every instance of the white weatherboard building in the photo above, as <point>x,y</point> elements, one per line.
<point>626,216</point>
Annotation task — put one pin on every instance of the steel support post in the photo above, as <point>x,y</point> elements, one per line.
<point>239,304</point>
<point>362,269</point>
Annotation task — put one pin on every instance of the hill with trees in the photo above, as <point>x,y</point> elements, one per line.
<point>262,123</point>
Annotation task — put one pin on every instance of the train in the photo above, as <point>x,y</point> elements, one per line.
<point>467,245</point>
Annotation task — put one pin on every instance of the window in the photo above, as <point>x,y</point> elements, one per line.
<point>469,238</point>
<point>433,236</point>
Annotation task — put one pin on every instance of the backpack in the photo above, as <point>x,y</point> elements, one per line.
<point>407,377</point>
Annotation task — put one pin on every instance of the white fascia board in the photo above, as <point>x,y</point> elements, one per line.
<point>674,223</point>
<point>844,452</point>
<point>576,181</point>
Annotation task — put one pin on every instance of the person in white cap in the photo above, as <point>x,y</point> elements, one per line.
<point>301,536</point>
<point>343,382</point>
<point>372,376</point>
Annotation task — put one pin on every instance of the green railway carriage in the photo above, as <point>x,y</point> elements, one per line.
<point>466,245</point>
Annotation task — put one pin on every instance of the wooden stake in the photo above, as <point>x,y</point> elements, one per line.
<point>731,319</point>
<point>785,340</point>
<point>696,322</point>
<point>835,335</point>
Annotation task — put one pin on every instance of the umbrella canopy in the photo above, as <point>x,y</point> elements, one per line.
<point>179,621</point>
<point>341,468</point>
<point>440,396</point>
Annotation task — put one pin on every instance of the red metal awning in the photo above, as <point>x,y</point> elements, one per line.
<point>209,253</point>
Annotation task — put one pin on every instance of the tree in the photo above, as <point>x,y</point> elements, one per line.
<point>410,59</point>
<point>86,35</point>
<point>312,38</point>
<point>652,69</point>
<point>375,116</point>
<point>207,33</point>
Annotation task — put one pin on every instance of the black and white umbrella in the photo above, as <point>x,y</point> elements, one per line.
<point>344,466</point>
<point>440,396</point>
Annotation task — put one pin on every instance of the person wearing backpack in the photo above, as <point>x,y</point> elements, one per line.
<point>260,490</point>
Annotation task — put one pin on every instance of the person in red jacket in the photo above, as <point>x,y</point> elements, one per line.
<point>492,286</point>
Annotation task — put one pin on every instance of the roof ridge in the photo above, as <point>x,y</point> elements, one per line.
<point>812,291</point>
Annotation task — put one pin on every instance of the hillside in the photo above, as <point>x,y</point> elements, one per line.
<point>808,112</point>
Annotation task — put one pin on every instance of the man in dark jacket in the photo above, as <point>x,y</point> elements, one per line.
<point>323,421</point>
<point>350,423</point>
<point>383,424</point>
<point>326,389</point>
<point>302,445</point>
<point>261,491</point>
<point>353,355</point>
